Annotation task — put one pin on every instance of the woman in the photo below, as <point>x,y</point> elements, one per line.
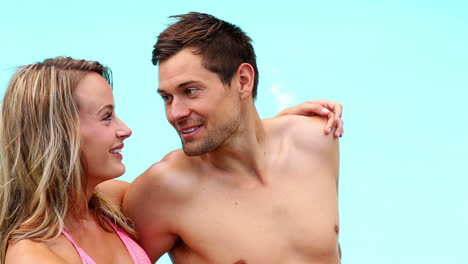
<point>59,139</point>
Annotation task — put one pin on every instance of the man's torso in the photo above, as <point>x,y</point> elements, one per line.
<point>291,217</point>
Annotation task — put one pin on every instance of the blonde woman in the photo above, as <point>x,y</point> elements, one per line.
<point>60,138</point>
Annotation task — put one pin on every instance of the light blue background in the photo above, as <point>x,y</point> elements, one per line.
<point>400,68</point>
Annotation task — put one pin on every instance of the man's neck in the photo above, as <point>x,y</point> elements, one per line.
<point>243,152</point>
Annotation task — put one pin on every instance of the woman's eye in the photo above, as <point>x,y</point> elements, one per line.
<point>108,116</point>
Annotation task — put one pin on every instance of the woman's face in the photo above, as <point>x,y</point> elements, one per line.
<point>102,132</point>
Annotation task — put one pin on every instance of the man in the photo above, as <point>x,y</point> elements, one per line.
<point>242,190</point>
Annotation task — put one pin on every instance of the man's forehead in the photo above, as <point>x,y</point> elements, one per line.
<point>174,80</point>
<point>178,66</point>
<point>182,69</point>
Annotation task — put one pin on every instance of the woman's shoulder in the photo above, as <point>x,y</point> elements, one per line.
<point>30,251</point>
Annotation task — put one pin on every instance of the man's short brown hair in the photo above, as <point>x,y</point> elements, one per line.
<point>222,45</point>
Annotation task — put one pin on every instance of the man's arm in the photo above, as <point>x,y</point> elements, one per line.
<point>319,150</point>
<point>149,203</point>
<point>325,108</point>
<point>114,190</point>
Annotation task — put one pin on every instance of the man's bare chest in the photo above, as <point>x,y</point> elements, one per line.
<point>284,219</point>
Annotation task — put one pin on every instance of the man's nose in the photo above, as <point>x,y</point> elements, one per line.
<point>178,110</point>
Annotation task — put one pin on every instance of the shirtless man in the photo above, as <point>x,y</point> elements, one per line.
<point>242,190</point>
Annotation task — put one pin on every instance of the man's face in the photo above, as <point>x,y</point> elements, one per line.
<point>204,111</point>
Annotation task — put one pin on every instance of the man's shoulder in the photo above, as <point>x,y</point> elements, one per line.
<point>167,179</point>
<point>302,131</point>
<point>170,166</point>
<point>29,251</point>
<point>305,141</point>
<point>316,122</point>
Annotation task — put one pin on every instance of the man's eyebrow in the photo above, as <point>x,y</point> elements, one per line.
<point>181,85</point>
<point>186,83</point>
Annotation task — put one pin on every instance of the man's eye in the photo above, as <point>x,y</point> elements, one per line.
<point>191,91</point>
<point>166,98</point>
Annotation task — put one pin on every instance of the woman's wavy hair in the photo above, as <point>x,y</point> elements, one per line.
<point>42,175</point>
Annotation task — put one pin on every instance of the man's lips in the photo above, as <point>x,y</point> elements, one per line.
<point>189,131</point>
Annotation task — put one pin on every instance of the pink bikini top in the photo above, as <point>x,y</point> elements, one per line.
<point>136,252</point>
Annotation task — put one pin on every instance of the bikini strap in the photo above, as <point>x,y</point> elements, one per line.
<point>85,258</point>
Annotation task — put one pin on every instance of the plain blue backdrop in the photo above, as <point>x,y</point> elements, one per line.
<point>400,69</point>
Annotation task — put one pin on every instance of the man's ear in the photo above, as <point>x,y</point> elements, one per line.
<point>246,75</point>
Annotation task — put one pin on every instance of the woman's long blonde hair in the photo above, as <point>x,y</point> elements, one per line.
<point>42,179</point>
